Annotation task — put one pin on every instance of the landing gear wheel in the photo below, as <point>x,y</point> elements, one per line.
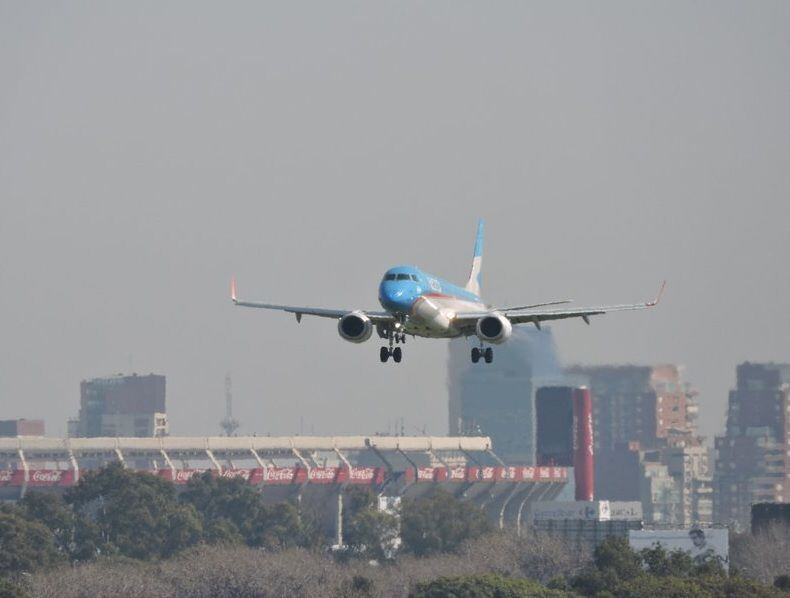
<point>397,354</point>
<point>403,338</point>
<point>489,355</point>
<point>475,355</point>
<point>384,354</point>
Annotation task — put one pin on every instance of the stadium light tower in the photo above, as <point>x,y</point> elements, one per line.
<point>229,425</point>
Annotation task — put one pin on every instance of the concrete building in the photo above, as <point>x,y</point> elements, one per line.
<point>753,455</point>
<point>131,406</point>
<point>497,399</point>
<point>21,427</point>
<point>585,524</point>
<point>646,443</point>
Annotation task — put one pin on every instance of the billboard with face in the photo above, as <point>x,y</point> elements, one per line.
<point>699,542</point>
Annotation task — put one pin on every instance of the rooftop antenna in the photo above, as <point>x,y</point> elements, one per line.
<point>229,425</point>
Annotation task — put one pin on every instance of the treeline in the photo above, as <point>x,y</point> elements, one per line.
<point>119,512</point>
<point>127,533</point>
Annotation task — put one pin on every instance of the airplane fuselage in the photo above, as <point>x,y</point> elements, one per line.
<point>426,304</point>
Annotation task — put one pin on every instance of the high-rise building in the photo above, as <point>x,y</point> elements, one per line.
<point>22,427</point>
<point>753,456</point>
<point>638,404</point>
<point>121,406</point>
<point>497,399</point>
<point>644,423</point>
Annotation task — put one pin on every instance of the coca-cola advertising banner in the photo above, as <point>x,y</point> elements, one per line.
<point>179,476</point>
<point>487,474</point>
<point>48,477</point>
<point>315,475</point>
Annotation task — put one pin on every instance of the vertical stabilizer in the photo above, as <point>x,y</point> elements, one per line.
<point>473,284</point>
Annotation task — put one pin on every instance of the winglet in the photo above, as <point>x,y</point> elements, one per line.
<point>658,297</point>
<point>233,289</point>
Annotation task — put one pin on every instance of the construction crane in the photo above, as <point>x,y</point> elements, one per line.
<point>229,425</point>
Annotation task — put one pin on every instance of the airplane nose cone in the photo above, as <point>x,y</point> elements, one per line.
<point>395,297</point>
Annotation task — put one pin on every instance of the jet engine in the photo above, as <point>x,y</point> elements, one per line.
<point>355,327</point>
<point>493,328</point>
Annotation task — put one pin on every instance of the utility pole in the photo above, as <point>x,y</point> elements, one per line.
<point>229,425</point>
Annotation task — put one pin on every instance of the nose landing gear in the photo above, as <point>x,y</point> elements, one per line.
<point>396,353</point>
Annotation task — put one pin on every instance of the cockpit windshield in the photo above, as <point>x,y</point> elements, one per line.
<point>401,277</point>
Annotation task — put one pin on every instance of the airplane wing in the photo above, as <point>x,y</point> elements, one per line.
<point>375,316</point>
<point>533,315</point>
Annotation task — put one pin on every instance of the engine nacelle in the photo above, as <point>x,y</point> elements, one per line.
<point>355,327</point>
<point>493,328</point>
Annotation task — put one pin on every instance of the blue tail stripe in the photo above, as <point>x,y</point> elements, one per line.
<point>479,239</point>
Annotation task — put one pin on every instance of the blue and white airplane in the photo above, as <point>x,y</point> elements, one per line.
<point>419,304</point>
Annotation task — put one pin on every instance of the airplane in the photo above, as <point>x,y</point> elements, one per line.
<point>419,304</point>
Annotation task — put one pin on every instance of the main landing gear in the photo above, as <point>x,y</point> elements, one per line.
<point>487,354</point>
<point>396,353</point>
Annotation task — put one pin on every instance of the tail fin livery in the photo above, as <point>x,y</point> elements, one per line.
<point>473,284</point>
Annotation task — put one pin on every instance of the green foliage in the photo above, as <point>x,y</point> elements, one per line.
<point>368,532</point>
<point>620,572</point>
<point>137,514</point>
<point>782,582</point>
<point>664,586</point>
<point>24,545</point>
<point>76,537</point>
<point>659,562</point>
<point>234,512</point>
<point>438,522</point>
<point>482,586</point>
<point>228,505</point>
<point>8,589</point>
<point>615,556</point>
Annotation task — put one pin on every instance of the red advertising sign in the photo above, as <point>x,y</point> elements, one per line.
<point>244,474</point>
<point>279,475</point>
<point>46,477</point>
<point>365,475</point>
<point>179,476</point>
<point>457,474</point>
<point>425,474</point>
<point>322,475</point>
<point>6,476</point>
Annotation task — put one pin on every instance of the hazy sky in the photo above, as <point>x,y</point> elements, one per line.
<point>148,151</point>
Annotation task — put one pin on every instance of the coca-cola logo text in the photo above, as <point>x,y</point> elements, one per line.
<point>46,476</point>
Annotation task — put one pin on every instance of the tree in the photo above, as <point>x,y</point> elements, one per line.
<point>438,522</point>
<point>227,505</point>
<point>368,532</point>
<point>75,537</point>
<point>615,555</point>
<point>8,589</point>
<point>762,555</point>
<point>233,512</point>
<point>659,562</point>
<point>24,545</point>
<point>483,586</point>
<point>137,514</point>
<point>614,562</point>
